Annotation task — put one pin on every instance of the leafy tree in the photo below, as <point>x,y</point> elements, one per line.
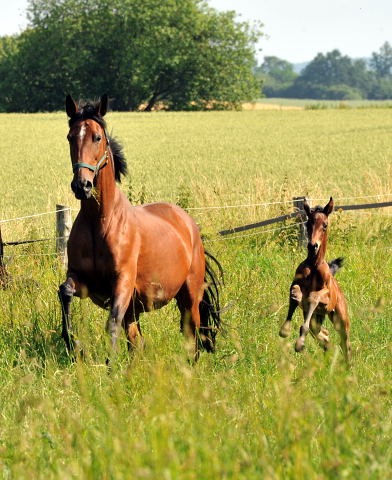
<point>381,89</point>
<point>332,76</point>
<point>381,62</point>
<point>279,70</point>
<point>329,69</point>
<point>276,74</point>
<point>181,52</point>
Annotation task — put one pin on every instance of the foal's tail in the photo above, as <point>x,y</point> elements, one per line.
<point>335,265</point>
<point>209,307</point>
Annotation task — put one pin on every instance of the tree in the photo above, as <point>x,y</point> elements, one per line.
<point>332,76</point>
<point>277,76</point>
<point>381,63</point>
<point>279,70</point>
<point>181,52</point>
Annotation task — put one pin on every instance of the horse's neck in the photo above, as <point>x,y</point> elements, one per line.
<point>100,206</point>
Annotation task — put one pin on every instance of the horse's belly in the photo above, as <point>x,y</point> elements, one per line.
<point>155,294</point>
<point>100,299</point>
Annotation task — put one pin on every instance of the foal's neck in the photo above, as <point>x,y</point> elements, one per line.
<point>319,258</point>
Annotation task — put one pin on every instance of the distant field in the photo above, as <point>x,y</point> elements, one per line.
<point>255,409</point>
<point>309,103</point>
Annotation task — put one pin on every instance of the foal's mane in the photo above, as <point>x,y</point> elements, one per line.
<point>87,110</point>
<point>317,209</point>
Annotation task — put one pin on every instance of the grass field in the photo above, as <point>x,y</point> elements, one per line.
<point>321,104</point>
<point>255,409</point>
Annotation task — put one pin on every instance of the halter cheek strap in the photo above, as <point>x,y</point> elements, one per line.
<point>94,168</point>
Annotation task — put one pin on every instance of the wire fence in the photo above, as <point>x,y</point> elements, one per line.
<point>224,235</point>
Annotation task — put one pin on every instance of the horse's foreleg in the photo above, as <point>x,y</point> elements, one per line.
<point>66,292</point>
<point>308,312</point>
<point>122,295</point>
<point>295,299</point>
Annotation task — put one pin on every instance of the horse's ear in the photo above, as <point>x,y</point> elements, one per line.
<point>70,106</point>
<point>102,106</point>
<point>328,207</point>
<point>306,208</point>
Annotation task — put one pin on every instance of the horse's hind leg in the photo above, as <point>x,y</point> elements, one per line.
<point>320,334</point>
<point>188,304</point>
<point>295,299</point>
<point>341,323</point>
<point>66,292</point>
<point>133,331</point>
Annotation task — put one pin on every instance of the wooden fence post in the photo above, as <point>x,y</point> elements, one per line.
<point>298,204</point>
<point>4,277</point>
<point>63,228</point>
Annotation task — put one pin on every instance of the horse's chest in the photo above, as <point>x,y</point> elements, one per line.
<point>93,261</point>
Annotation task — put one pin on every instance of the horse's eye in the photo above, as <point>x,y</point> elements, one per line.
<point>97,138</point>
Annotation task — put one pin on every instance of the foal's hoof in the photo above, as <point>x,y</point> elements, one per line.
<point>296,293</point>
<point>285,330</point>
<point>299,344</point>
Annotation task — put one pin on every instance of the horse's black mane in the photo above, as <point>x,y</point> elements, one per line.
<point>88,111</point>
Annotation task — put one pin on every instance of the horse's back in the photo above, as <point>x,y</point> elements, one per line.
<point>162,217</point>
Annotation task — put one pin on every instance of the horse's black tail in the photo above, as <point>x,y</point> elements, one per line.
<point>209,307</point>
<point>335,265</point>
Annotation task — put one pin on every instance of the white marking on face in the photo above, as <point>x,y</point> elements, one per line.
<point>82,132</point>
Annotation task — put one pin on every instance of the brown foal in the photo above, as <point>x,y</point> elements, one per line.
<point>315,288</point>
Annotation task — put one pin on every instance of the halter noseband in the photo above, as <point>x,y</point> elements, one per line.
<point>93,168</point>
<point>99,165</point>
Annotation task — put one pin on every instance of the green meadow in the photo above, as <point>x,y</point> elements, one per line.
<point>254,409</point>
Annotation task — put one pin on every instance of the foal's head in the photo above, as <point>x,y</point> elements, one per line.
<point>88,143</point>
<point>316,226</point>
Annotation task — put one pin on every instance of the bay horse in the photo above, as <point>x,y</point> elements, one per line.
<point>131,259</point>
<point>315,288</point>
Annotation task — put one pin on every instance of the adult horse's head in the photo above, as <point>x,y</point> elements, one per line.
<point>88,143</point>
<point>317,225</point>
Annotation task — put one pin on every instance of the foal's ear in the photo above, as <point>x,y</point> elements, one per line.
<point>306,208</point>
<point>70,106</point>
<point>102,106</point>
<point>328,207</point>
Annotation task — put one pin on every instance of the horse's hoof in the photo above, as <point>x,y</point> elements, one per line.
<point>285,330</point>
<point>299,345</point>
<point>296,293</point>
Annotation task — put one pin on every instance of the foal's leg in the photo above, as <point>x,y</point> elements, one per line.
<point>320,334</point>
<point>295,299</point>
<point>309,309</point>
<point>341,323</point>
<point>66,292</point>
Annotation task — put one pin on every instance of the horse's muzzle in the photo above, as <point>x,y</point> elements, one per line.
<point>81,188</point>
<point>313,248</point>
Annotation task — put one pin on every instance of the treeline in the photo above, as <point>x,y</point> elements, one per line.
<point>141,52</point>
<point>332,76</point>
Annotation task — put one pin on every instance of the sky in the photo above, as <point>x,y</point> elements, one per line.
<point>294,30</point>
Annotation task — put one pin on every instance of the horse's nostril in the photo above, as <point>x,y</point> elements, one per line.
<point>87,186</point>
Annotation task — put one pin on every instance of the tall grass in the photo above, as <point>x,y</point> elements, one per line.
<point>255,409</point>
